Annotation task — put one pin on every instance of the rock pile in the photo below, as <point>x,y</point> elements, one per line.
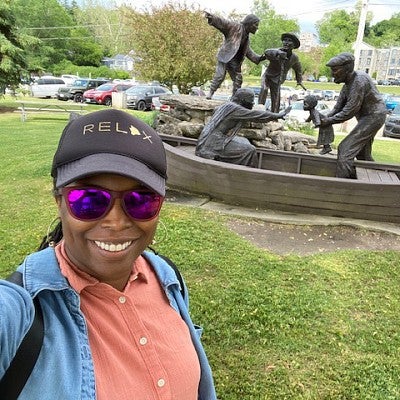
<point>187,116</point>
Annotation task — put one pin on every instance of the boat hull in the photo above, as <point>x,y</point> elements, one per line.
<point>289,190</point>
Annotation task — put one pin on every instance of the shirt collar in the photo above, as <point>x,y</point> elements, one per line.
<point>80,280</point>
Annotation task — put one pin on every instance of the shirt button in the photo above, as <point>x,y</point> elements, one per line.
<point>143,341</point>
<point>161,383</point>
<point>122,299</point>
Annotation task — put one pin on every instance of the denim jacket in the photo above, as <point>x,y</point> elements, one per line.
<point>64,369</point>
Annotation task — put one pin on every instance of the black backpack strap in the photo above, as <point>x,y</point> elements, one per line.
<point>21,366</point>
<point>175,268</point>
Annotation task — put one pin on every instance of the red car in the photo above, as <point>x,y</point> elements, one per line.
<point>103,93</point>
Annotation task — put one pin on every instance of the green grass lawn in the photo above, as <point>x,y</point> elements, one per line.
<point>316,327</point>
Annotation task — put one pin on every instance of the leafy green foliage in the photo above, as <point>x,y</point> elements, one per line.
<point>48,21</point>
<point>13,63</point>
<point>338,26</point>
<point>338,30</point>
<point>105,25</point>
<point>58,36</point>
<point>385,33</point>
<point>83,51</point>
<point>175,45</point>
<point>312,61</point>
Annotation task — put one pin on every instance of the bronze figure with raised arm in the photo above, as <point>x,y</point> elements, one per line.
<point>235,47</point>
<point>219,140</point>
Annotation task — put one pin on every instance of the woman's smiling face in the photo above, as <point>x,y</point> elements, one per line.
<point>106,248</point>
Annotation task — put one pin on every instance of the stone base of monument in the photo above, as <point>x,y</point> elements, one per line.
<point>188,115</point>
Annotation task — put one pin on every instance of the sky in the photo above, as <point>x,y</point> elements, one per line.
<point>307,12</point>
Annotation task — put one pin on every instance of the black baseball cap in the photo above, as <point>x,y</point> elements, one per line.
<point>110,141</point>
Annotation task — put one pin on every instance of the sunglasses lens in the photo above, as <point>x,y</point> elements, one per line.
<point>88,204</point>
<point>142,205</point>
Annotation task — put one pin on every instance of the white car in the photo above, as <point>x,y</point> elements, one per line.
<point>69,79</point>
<point>46,86</point>
<point>298,114</point>
<point>288,92</point>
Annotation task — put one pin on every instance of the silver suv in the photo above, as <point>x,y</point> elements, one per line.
<point>46,86</point>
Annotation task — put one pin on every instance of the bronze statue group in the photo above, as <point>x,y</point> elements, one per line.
<point>358,98</point>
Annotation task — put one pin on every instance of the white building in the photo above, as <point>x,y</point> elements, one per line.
<point>120,61</point>
<point>308,41</point>
<point>381,64</point>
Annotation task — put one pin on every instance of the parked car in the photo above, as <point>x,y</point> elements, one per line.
<point>323,79</point>
<point>255,89</point>
<point>329,95</point>
<point>69,79</point>
<point>75,92</point>
<point>287,92</point>
<point>46,86</point>
<point>298,114</point>
<point>391,101</point>
<point>139,97</point>
<point>318,93</point>
<point>156,105</point>
<point>394,82</point>
<point>103,93</point>
<point>392,124</point>
<point>196,91</point>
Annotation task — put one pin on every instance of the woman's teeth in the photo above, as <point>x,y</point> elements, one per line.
<point>113,247</point>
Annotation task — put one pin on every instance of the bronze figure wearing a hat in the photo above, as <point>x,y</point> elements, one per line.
<point>235,47</point>
<point>358,98</point>
<point>280,62</point>
<point>293,37</point>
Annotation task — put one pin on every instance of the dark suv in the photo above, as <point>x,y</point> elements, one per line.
<point>75,92</point>
<point>392,124</point>
<point>139,97</point>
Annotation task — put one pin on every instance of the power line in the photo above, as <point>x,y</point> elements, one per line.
<point>325,10</point>
<point>70,27</point>
<point>77,38</point>
<point>324,7</point>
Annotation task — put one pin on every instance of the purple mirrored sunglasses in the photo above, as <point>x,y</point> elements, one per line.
<point>92,203</point>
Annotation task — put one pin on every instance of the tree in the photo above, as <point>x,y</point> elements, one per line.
<point>174,43</point>
<point>49,22</point>
<point>385,33</point>
<point>337,26</point>
<point>83,49</point>
<point>58,36</point>
<point>312,61</point>
<point>12,45</point>
<point>106,24</point>
<point>338,31</point>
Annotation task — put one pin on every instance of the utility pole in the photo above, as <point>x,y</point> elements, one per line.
<point>360,33</point>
